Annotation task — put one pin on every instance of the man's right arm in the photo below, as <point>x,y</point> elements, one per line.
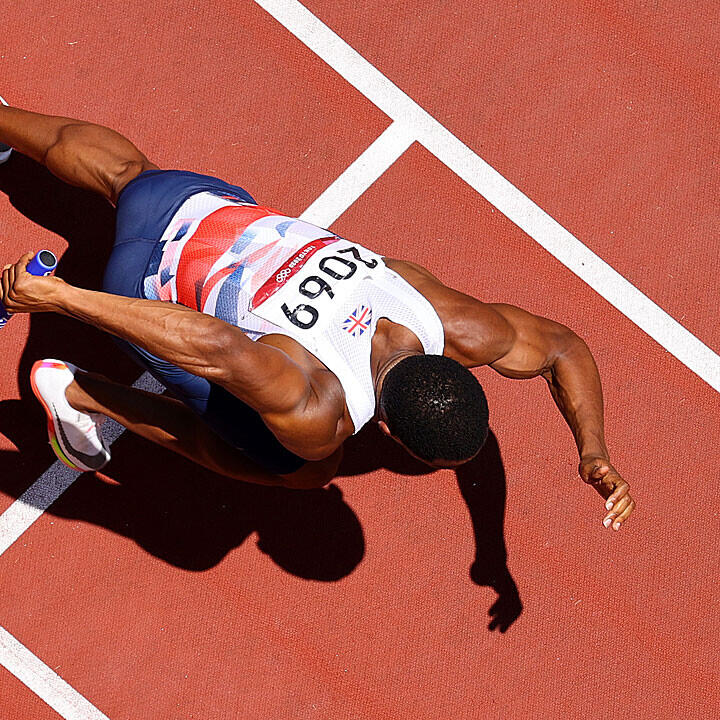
<point>199,343</point>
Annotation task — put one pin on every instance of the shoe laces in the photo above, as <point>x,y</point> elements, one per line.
<point>89,423</point>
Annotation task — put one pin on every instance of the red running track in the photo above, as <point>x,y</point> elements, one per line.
<point>158,590</point>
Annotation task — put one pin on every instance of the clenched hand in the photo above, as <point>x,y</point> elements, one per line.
<point>23,292</point>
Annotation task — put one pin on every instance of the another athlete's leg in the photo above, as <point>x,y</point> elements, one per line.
<point>169,423</point>
<point>80,153</point>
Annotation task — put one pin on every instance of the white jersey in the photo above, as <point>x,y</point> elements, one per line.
<point>268,273</point>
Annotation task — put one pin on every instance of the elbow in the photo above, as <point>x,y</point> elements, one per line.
<point>569,342</point>
<point>571,352</point>
<point>217,349</point>
<point>580,352</point>
<point>567,346</point>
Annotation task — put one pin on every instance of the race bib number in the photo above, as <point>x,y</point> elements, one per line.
<point>309,289</point>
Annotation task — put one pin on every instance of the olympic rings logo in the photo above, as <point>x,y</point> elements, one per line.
<point>283,275</point>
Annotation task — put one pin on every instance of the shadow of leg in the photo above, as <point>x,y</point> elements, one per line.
<point>190,517</point>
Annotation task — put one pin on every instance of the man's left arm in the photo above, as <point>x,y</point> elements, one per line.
<point>538,346</point>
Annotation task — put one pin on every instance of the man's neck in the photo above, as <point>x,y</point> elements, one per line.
<point>391,344</point>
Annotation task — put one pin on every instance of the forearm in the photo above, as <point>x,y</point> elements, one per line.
<point>173,332</point>
<point>575,385</point>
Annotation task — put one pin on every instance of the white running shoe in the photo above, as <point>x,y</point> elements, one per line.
<point>5,150</point>
<point>74,436</point>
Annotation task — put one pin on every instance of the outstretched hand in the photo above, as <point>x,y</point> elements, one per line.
<point>23,292</point>
<point>599,473</point>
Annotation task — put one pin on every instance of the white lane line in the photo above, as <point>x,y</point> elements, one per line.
<point>484,179</point>
<point>572,253</point>
<point>360,175</point>
<point>346,61</point>
<point>44,682</point>
<point>54,482</point>
<point>33,502</point>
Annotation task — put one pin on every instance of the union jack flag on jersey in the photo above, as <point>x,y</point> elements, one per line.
<point>358,321</point>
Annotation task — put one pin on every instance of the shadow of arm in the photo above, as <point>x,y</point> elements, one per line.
<point>483,487</point>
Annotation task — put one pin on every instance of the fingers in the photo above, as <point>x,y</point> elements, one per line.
<point>620,513</point>
<point>621,489</point>
<point>624,515</point>
<point>599,473</point>
<point>22,263</point>
<point>6,282</point>
<point>11,280</point>
<point>10,273</point>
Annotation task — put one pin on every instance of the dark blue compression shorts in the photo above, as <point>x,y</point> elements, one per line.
<point>144,209</point>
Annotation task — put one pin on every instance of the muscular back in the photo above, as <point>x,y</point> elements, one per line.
<point>512,341</point>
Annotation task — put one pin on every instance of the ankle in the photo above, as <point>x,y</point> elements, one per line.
<point>79,399</point>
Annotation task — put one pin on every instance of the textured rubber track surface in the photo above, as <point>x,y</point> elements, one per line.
<point>158,590</point>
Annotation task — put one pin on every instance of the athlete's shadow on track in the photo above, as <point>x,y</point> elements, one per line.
<point>183,514</point>
<point>483,487</point>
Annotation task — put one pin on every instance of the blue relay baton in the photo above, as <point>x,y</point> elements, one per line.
<point>43,263</point>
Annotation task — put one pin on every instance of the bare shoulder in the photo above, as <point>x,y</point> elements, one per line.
<point>475,332</point>
<point>316,424</point>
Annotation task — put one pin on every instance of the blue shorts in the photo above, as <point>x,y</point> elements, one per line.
<point>144,209</point>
